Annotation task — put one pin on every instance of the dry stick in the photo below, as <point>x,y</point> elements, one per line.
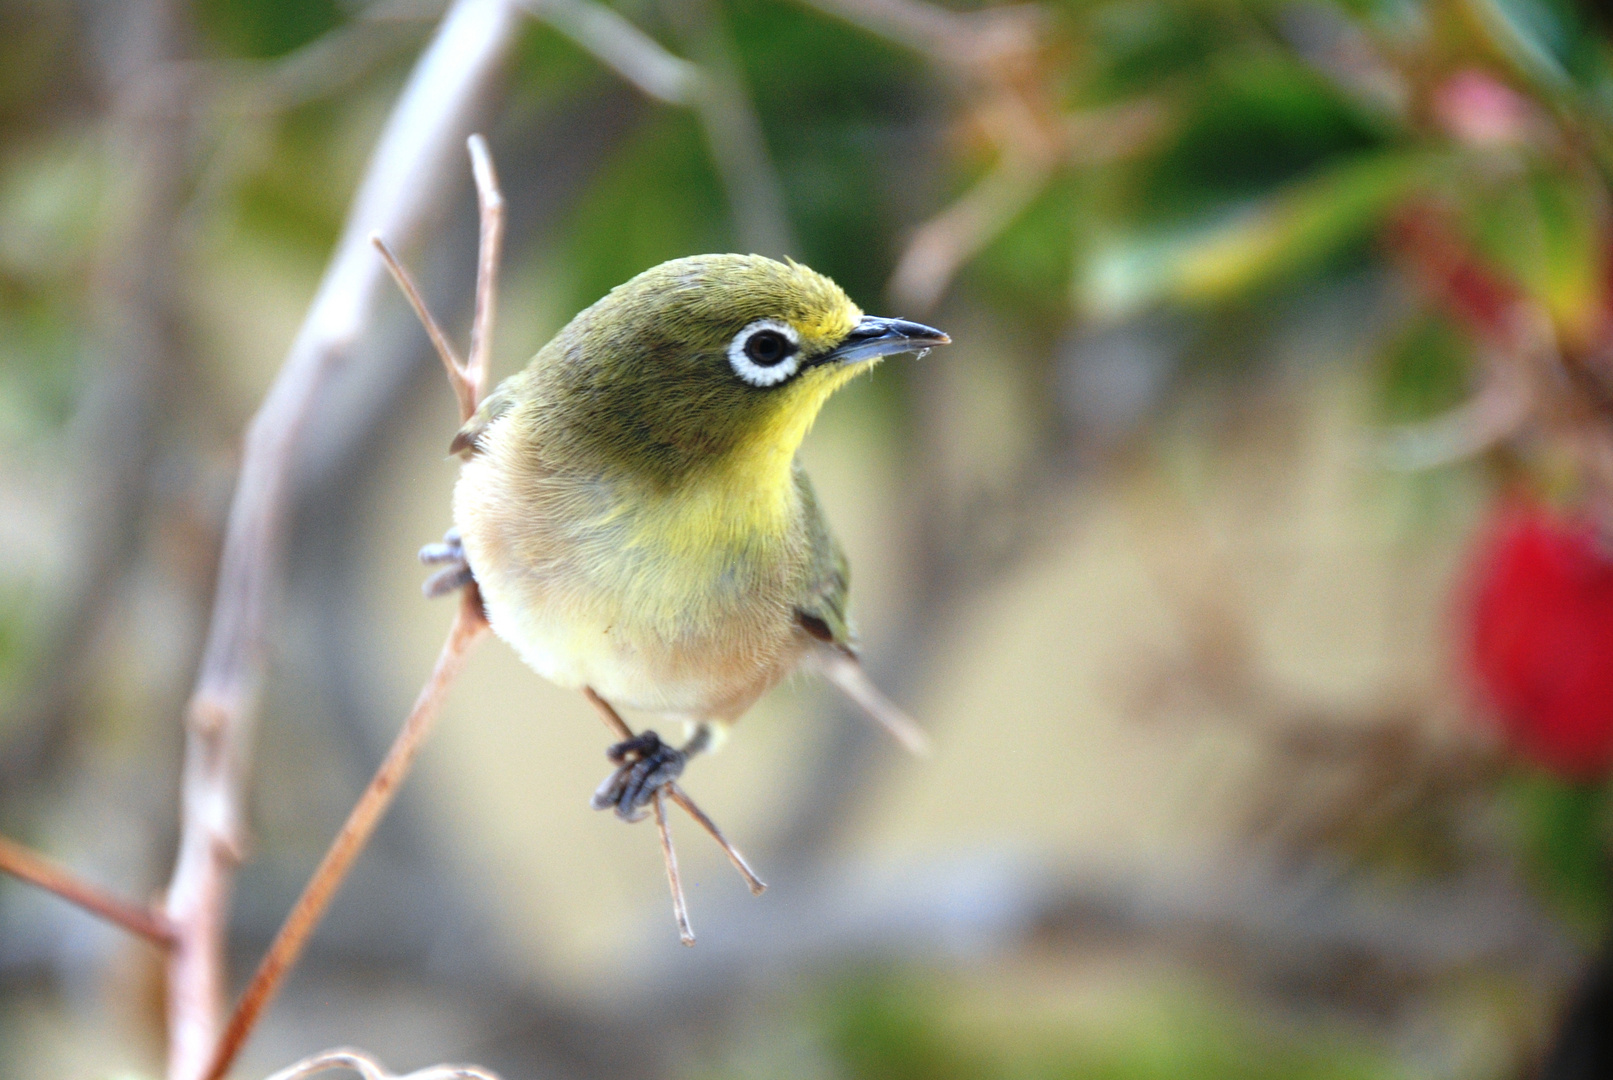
<point>468,627</point>
<point>680,910</point>
<point>613,720</point>
<point>756,885</point>
<point>490,245</point>
<point>370,1069</point>
<point>452,364</point>
<point>401,189</point>
<point>35,869</point>
<point>467,379</point>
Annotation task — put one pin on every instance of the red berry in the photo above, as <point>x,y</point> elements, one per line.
<point>1542,638</point>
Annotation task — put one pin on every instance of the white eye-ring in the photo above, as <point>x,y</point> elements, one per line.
<point>766,352</point>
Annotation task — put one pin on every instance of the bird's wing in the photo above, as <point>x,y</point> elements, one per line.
<point>822,614</point>
<point>493,406</point>
<point>821,610</point>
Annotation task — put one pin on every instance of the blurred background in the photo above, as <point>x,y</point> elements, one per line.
<point>1247,555</point>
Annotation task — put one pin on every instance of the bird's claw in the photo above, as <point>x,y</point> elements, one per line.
<point>455,573</point>
<point>645,764</point>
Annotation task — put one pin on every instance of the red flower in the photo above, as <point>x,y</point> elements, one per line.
<point>1542,638</point>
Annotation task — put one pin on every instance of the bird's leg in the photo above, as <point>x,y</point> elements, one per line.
<point>450,555</point>
<point>645,764</point>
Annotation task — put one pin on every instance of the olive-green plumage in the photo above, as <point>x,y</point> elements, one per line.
<point>631,505</point>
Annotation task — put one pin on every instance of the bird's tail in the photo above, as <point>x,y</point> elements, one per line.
<point>845,671</point>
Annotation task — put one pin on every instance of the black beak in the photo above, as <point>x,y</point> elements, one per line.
<point>875,337</point>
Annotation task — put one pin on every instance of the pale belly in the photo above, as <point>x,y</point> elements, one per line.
<point>594,599</point>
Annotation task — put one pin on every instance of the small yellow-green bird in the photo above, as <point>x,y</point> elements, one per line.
<point>632,507</point>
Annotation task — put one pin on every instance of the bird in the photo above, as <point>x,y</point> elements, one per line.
<point>632,507</point>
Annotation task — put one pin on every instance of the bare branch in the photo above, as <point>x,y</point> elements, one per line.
<point>470,621</point>
<point>490,202</point>
<point>975,38</point>
<point>464,394</point>
<point>622,47</point>
<point>756,885</point>
<point>467,378</point>
<point>400,191</point>
<point>680,909</point>
<point>370,1069</point>
<point>468,628</point>
<point>35,869</point>
<point>714,88</point>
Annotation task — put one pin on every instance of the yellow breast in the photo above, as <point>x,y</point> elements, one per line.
<point>677,601</point>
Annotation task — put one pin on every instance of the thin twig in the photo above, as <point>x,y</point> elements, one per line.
<point>680,909</point>
<point>402,187</point>
<point>490,246</point>
<point>714,89</point>
<point>624,48</point>
<point>35,869</point>
<point>453,366</point>
<point>618,727</point>
<point>468,377</point>
<point>607,713</point>
<point>469,625</point>
<point>756,885</point>
<point>370,1069</point>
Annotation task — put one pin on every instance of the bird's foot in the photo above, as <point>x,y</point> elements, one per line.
<point>450,555</point>
<point>645,764</point>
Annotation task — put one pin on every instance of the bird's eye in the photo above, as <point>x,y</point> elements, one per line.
<point>766,347</point>
<point>766,352</point>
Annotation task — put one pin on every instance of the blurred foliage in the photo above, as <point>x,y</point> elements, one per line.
<point>1566,834</point>
<point>252,28</point>
<point>1423,369</point>
<point>901,1024</point>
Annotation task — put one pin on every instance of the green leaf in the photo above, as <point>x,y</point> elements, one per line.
<point>1544,233</point>
<point>1253,246</point>
<point>1257,120</point>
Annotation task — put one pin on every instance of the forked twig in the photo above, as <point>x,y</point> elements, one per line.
<point>680,910</point>
<point>468,379</point>
<point>370,1069</point>
<point>35,869</point>
<point>613,720</point>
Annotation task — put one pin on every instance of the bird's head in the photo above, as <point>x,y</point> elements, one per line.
<point>718,362</point>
